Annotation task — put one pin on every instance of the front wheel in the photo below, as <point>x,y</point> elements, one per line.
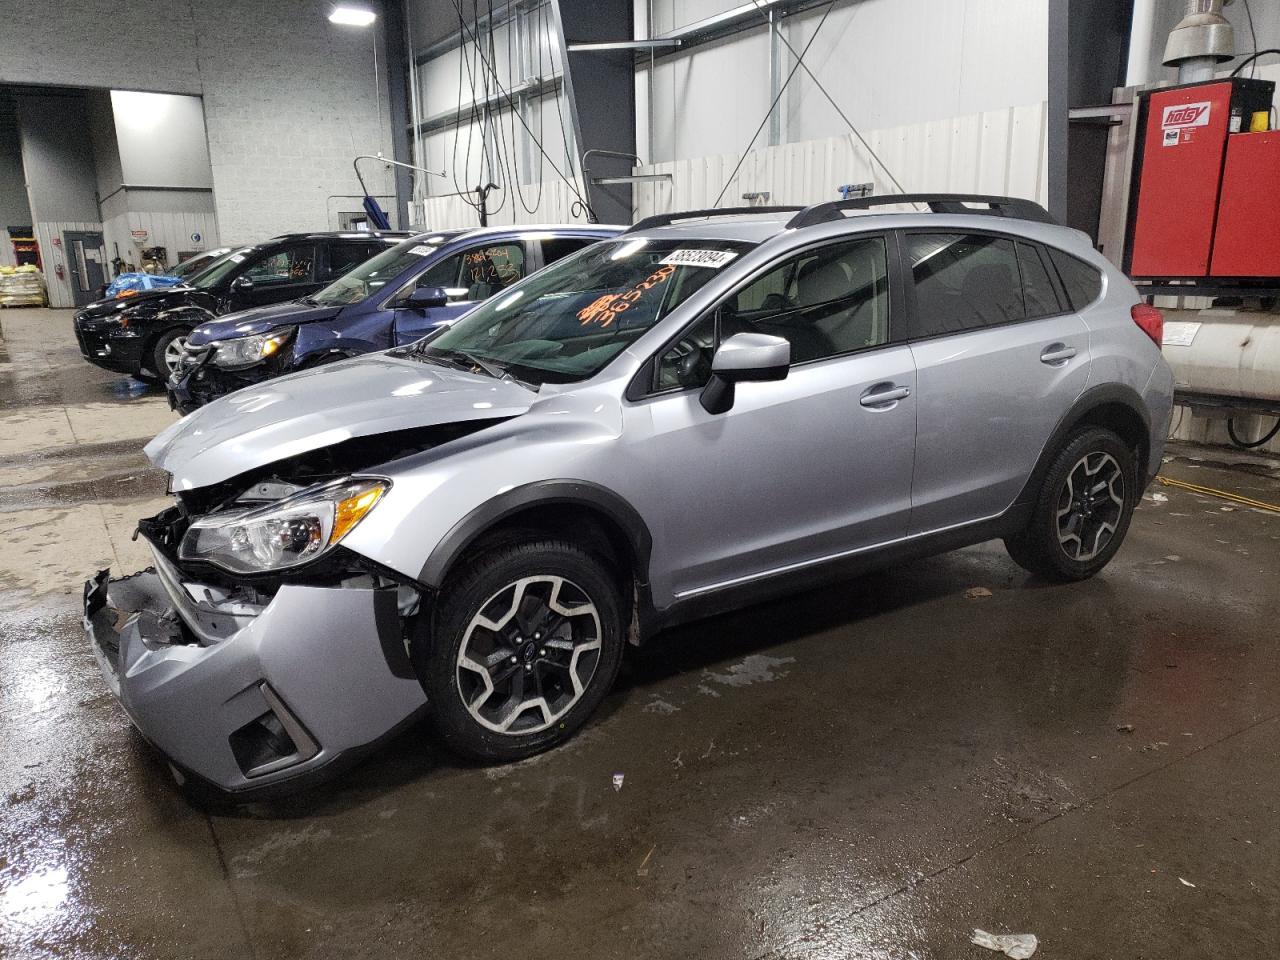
<point>167,353</point>
<point>1083,509</point>
<point>526,642</point>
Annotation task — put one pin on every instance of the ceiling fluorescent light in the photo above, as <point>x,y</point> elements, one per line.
<point>352,16</point>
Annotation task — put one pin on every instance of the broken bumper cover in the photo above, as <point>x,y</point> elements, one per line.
<point>265,701</point>
<point>198,381</point>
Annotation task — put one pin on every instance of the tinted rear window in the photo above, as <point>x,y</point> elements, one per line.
<point>1082,282</point>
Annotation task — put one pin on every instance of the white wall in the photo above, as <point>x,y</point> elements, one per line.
<point>997,152</point>
<point>887,63</point>
<point>953,89</point>
<point>289,98</point>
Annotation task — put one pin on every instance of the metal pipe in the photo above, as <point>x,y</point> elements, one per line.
<point>1141,32</point>
<point>1201,40</point>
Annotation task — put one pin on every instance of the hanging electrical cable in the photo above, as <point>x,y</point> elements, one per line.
<point>774,104</point>
<point>831,100</point>
<point>573,188</point>
<point>459,188</point>
<point>493,120</point>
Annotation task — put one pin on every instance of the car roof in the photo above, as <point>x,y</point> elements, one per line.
<point>341,235</point>
<point>520,229</point>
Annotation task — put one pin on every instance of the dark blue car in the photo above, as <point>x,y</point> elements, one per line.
<point>397,297</point>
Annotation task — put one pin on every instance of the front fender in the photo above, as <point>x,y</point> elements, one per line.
<point>315,340</point>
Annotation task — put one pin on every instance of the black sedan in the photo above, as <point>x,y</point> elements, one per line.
<point>143,335</point>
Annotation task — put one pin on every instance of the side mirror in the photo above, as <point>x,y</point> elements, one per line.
<point>423,297</point>
<point>241,285</point>
<point>742,358</point>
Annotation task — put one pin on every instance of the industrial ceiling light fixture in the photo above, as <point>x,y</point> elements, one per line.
<point>352,15</point>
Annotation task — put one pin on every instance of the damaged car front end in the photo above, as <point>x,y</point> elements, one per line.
<point>224,652</point>
<point>259,652</point>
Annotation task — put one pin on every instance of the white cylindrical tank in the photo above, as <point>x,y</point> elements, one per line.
<point>1223,352</point>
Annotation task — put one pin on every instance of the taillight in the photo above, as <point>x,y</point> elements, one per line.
<point>1150,320</point>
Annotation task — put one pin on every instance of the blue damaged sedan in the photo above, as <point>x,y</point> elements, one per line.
<point>393,299</point>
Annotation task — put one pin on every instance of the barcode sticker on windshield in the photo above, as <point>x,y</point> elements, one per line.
<point>699,258</point>
<point>422,250</point>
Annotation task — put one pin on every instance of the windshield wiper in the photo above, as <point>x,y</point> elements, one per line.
<point>461,360</point>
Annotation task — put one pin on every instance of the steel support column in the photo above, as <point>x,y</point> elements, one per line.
<point>396,47</point>
<point>600,87</point>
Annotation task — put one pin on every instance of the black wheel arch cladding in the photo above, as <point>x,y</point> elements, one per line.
<point>590,497</point>
<point>1116,407</point>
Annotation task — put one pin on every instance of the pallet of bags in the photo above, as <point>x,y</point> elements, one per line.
<point>21,287</point>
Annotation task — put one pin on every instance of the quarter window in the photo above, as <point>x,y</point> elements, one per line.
<point>963,282</point>
<point>1082,282</point>
<point>1037,289</point>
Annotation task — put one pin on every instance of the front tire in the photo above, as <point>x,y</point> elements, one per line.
<point>1083,509</point>
<point>525,644</point>
<point>166,353</point>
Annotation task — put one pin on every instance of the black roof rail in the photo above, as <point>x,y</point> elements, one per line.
<point>666,219</point>
<point>1015,207</point>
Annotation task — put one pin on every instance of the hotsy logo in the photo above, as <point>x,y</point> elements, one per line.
<point>1187,115</point>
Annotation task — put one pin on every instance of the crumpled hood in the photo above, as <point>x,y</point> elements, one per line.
<point>151,298</point>
<point>281,418</point>
<point>248,323</point>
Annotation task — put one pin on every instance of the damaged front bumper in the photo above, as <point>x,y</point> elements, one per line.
<point>197,381</point>
<point>254,700</point>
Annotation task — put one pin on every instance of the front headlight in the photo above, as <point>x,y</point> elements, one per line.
<point>249,351</point>
<point>284,534</point>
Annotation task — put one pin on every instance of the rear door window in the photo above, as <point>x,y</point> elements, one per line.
<point>553,248</point>
<point>344,256</point>
<point>1082,282</point>
<point>963,282</point>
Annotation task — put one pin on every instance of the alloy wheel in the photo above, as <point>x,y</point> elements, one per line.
<point>528,654</point>
<point>174,351</point>
<point>1090,506</point>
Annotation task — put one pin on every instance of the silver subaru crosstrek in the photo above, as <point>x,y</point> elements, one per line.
<point>711,409</point>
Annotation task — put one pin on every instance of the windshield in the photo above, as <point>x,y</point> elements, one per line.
<point>568,321</point>
<point>220,269</point>
<point>372,275</point>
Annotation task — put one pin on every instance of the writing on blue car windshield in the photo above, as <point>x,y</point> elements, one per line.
<point>374,274</point>
<point>565,323</point>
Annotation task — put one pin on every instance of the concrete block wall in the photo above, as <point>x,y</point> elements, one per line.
<point>289,98</point>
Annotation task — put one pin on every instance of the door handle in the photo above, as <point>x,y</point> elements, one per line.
<point>883,395</point>
<point>1056,354</point>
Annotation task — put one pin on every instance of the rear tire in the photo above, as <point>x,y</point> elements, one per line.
<point>1082,511</point>
<point>526,642</point>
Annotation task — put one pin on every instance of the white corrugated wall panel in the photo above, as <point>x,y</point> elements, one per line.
<point>999,152</point>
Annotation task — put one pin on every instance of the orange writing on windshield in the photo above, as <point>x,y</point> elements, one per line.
<point>605,309</point>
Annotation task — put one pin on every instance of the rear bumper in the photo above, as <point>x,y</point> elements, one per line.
<point>253,702</point>
<point>1158,396</point>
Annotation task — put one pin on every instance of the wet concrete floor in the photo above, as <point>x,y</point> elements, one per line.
<point>867,771</point>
